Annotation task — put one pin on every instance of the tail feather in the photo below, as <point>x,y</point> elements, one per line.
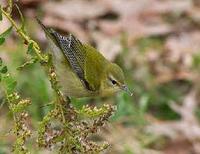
<point>49,32</point>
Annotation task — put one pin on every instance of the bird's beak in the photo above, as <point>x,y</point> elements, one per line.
<point>125,88</point>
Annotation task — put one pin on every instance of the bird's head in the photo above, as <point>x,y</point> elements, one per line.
<point>113,80</point>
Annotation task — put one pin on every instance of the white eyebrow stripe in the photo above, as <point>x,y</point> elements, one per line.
<point>112,78</point>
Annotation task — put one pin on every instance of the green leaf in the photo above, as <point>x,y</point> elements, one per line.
<point>27,63</point>
<point>2,40</point>
<point>4,70</point>
<point>1,61</point>
<point>6,32</point>
<point>30,48</point>
<point>0,77</point>
<point>10,84</point>
<point>1,17</point>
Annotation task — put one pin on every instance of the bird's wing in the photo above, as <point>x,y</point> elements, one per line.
<point>84,60</point>
<point>75,52</point>
<point>95,64</point>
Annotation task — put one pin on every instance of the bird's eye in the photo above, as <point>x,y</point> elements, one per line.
<point>114,82</point>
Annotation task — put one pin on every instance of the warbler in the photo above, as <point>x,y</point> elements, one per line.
<point>81,70</point>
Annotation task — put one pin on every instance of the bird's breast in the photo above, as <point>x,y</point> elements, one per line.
<point>69,82</point>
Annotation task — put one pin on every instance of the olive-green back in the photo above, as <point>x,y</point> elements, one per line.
<point>95,65</point>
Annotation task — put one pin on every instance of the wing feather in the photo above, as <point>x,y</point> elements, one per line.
<point>75,53</point>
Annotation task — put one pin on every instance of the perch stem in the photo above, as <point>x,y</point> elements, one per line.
<point>38,52</point>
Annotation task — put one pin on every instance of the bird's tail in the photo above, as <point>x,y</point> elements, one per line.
<point>48,31</point>
<point>52,41</point>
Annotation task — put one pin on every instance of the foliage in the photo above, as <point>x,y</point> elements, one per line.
<point>64,127</point>
<point>17,107</point>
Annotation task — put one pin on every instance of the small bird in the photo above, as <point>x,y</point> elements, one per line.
<point>81,70</point>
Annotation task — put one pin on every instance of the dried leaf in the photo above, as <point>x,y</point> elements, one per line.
<point>31,2</point>
<point>182,48</point>
<point>187,128</point>
<point>67,26</point>
<point>109,47</point>
<point>74,9</point>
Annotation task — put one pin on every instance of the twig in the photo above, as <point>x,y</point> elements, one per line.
<point>36,48</point>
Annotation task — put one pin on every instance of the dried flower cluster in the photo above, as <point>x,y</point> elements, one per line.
<point>17,107</point>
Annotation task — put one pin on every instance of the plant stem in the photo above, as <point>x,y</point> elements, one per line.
<point>38,52</point>
<point>24,36</point>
